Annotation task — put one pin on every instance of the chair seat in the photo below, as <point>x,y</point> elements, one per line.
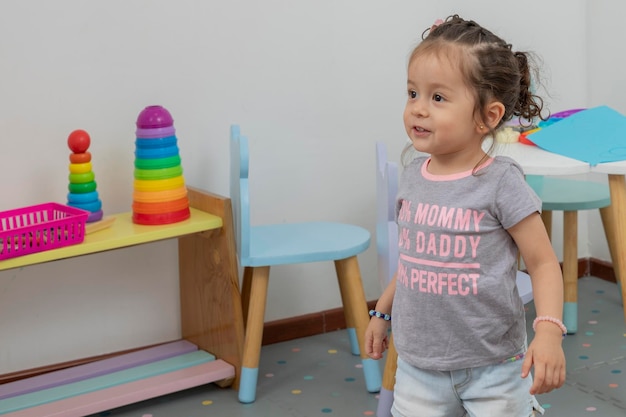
<point>293,243</point>
<point>560,194</point>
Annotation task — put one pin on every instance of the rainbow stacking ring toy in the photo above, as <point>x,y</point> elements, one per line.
<point>160,195</point>
<point>82,181</point>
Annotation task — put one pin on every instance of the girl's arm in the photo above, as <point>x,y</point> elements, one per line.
<point>544,352</point>
<point>376,341</point>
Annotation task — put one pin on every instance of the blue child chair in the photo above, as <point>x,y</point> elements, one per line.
<point>387,251</point>
<point>262,246</point>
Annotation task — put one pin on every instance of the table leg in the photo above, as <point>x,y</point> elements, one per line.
<point>570,271</point>
<point>616,234</point>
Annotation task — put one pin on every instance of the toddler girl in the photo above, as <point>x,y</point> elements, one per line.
<point>463,215</point>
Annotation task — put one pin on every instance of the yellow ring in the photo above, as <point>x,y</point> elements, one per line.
<point>80,168</point>
<point>159,185</point>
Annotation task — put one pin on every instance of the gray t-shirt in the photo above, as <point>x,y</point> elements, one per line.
<point>456,304</point>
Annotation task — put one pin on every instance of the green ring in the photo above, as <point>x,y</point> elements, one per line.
<point>81,188</point>
<point>159,174</point>
<point>82,178</point>
<point>157,163</point>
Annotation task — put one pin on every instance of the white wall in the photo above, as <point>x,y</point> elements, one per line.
<point>313,84</point>
<point>606,83</point>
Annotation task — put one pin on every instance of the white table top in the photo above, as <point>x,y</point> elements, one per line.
<point>614,168</point>
<point>536,161</point>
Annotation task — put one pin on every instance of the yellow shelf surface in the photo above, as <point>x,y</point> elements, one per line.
<point>123,232</point>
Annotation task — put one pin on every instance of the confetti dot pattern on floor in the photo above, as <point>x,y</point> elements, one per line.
<point>318,376</point>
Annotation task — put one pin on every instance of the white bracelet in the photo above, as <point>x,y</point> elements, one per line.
<point>551,320</point>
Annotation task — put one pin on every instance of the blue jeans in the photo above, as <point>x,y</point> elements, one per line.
<point>493,390</point>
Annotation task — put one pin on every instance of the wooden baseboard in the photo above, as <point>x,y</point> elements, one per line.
<point>305,325</point>
<point>597,268</point>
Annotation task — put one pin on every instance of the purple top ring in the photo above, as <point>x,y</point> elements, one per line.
<point>155,133</point>
<point>154,117</point>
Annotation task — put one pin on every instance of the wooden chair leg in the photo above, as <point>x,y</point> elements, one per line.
<point>570,270</point>
<point>254,333</point>
<point>385,399</point>
<point>546,217</point>
<point>608,224</point>
<point>245,293</point>
<point>352,336</point>
<point>355,309</point>
<point>355,348</point>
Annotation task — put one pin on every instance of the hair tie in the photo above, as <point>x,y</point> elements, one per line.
<point>437,23</point>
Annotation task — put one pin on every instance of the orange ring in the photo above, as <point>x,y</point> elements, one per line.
<point>163,207</point>
<point>159,196</point>
<point>80,158</point>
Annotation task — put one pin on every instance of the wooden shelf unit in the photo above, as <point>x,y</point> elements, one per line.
<point>211,315</point>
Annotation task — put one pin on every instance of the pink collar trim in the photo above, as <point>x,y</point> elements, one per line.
<point>451,177</point>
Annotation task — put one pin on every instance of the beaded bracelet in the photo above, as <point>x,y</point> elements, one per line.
<point>374,313</point>
<point>551,320</point>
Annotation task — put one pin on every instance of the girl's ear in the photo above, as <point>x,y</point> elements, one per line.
<point>493,114</point>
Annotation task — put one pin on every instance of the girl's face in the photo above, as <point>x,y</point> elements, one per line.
<point>439,116</point>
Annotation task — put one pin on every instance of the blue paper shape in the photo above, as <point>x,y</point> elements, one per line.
<point>595,135</point>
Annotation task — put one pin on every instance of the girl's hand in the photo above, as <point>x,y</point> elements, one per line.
<point>546,355</point>
<point>376,338</point>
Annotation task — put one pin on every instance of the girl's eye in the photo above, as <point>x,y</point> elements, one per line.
<point>412,94</point>
<point>438,97</point>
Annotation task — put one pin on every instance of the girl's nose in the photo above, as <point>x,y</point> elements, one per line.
<point>418,108</point>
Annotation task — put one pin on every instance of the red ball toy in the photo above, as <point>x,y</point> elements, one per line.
<point>79,141</point>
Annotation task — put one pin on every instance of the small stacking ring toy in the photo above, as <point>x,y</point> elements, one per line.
<point>157,132</point>
<point>159,185</point>
<point>85,187</point>
<point>155,153</point>
<point>80,158</point>
<point>82,178</point>
<point>159,196</point>
<point>157,163</point>
<point>158,174</point>
<point>95,216</point>
<point>156,142</point>
<point>82,198</point>
<point>80,168</point>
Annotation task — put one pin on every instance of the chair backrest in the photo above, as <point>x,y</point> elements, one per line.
<point>386,226</point>
<point>239,192</point>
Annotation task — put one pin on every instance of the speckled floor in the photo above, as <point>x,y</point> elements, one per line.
<point>317,376</point>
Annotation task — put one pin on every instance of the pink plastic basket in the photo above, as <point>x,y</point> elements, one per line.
<point>38,228</point>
